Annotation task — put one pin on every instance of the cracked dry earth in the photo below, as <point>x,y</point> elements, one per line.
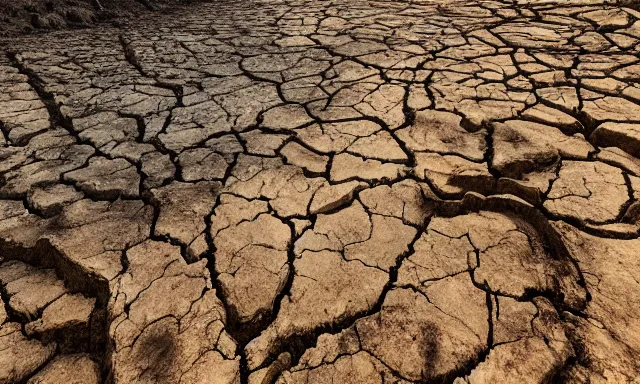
<point>324,192</point>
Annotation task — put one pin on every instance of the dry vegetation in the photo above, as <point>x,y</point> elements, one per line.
<point>29,16</point>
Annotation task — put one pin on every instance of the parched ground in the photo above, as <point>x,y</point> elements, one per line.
<point>324,192</point>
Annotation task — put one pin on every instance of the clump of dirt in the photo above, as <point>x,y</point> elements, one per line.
<point>19,17</point>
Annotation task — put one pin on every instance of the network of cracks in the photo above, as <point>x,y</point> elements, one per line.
<point>324,192</point>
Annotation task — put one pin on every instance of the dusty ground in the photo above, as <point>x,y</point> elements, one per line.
<point>324,192</point>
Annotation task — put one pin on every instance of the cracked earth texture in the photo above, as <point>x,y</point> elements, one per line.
<point>324,192</point>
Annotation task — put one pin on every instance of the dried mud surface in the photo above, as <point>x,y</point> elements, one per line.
<point>324,192</point>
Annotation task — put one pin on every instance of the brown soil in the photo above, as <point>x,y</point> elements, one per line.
<point>635,4</point>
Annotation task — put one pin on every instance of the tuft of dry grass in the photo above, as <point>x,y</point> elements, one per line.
<point>81,15</point>
<point>48,21</point>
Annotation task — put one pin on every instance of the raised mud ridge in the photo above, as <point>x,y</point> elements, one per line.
<point>324,192</point>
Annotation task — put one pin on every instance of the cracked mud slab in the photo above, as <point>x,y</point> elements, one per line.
<point>324,192</point>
